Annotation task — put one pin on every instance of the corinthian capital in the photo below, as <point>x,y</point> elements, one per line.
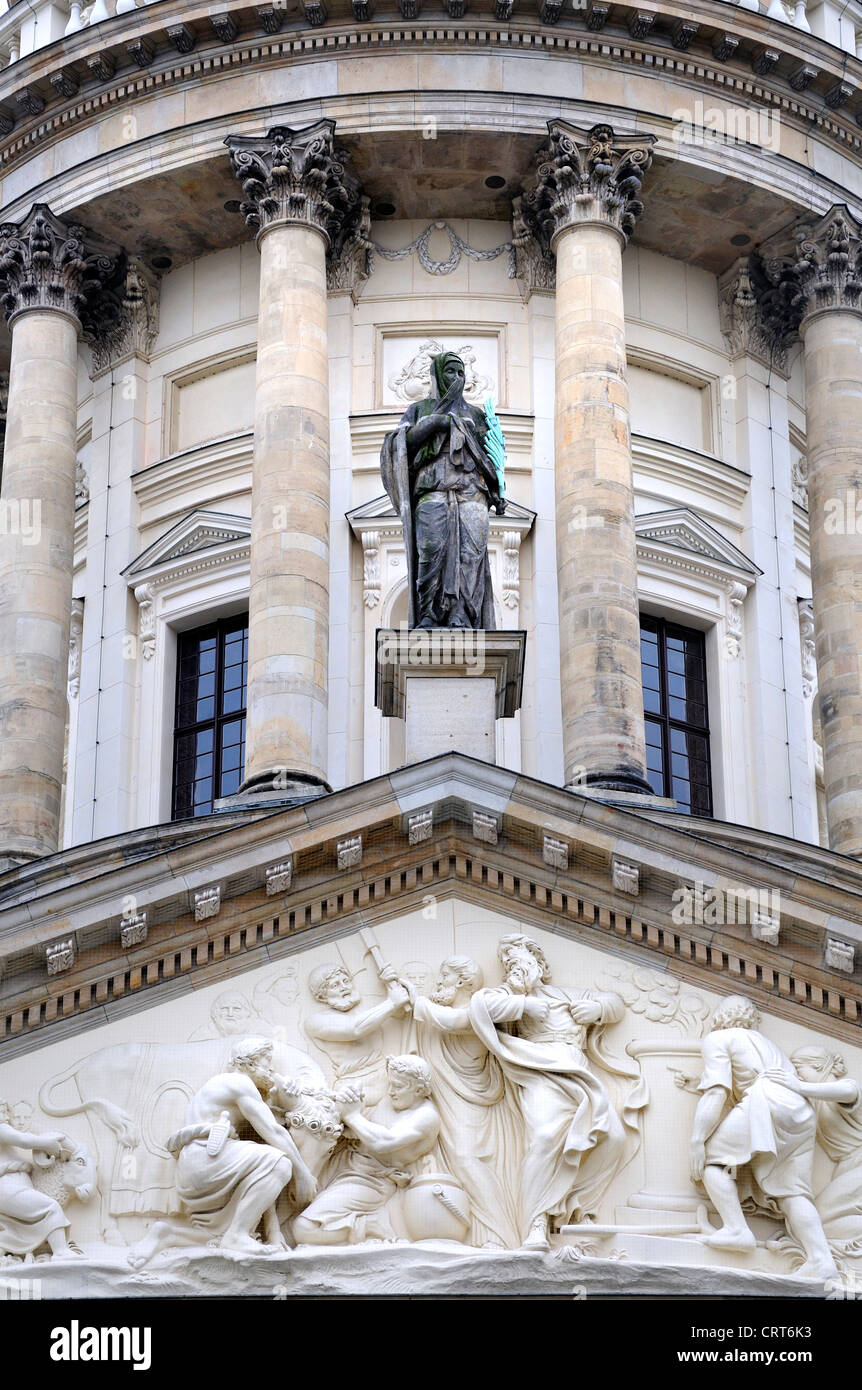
<point>350,265</point>
<point>828,264</point>
<point>129,325</point>
<point>535,266</point>
<point>587,176</point>
<point>46,263</point>
<point>296,176</point>
<point>756,305</point>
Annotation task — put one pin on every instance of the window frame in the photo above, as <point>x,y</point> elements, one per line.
<point>664,627</point>
<point>219,628</point>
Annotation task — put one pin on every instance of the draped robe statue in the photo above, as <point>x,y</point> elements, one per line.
<point>479,1116</point>
<point>442,483</point>
<point>549,1044</point>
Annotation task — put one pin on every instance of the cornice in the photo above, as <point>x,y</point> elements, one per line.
<point>69,81</point>
<point>820,894</point>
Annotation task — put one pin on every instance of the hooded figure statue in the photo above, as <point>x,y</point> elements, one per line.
<point>442,482</point>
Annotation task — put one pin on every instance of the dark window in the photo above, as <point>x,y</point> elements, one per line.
<point>209,728</point>
<point>673,667</point>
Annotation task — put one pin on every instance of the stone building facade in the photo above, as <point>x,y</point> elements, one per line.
<point>233,238</point>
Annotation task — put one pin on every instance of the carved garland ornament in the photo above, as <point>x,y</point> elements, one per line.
<point>806,638</point>
<point>457,248</point>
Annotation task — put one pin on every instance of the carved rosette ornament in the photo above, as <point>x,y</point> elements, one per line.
<point>828,265</point>
<point>298,176</point>
<point>584,177</point>
<point>46,263</point>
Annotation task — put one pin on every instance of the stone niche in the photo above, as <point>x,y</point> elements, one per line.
<point>450,1206</point>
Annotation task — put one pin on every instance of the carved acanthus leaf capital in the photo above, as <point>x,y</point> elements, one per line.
<point>828,264</point>
<point>348,268</point>
<point>297,176</point>
<point>535,266</point>
<point>133,326</point>
<point>46,263</point>
<point>760,308</point>
<point>586,177</point>
<point>756,314</point>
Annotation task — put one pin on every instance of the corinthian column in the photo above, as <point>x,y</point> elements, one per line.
<point>302,205</point>
<point>583,208</point>
<point>50,277</point>
<point>828,272</point>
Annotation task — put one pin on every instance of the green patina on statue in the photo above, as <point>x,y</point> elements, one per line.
<point>443,468</point>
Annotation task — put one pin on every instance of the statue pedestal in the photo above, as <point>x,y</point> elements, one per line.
<point>450,686</point>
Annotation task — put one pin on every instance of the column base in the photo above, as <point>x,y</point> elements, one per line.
<point>17,861</point>
<point>272,789</point>
<point>611,797</point>
<point>618,781</point>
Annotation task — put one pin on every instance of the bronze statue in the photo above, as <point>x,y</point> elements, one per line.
<point>439,469</point>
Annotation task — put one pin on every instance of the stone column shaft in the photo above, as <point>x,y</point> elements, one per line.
<point>303,205</point>
<point>828,272</point>
<point>600,670</point>
<point>833,399</point>
<point>585,204</point>
<point>49,277</point>
<point>36,540</point>
<point>289,593</point>
<point>829,269</point>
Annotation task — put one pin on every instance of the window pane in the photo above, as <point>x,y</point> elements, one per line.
<point>212,665</point>
<point>673,670</point>
<point>656,781</point>
<point>654,759</point>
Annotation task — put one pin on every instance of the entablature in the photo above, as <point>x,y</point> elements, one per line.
<point>212,901</point>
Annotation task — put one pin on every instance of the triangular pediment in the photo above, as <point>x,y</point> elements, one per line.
<point>201,530</point>
<point>681,528</point>
<point>132,967</point>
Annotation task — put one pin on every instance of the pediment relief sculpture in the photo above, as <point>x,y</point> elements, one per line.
<point>523,1094</point>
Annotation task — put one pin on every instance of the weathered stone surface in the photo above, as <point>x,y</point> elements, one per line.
<point>828,271</point>
<point>583,207</point>
<point>289,594</point>
<point>38,498</point>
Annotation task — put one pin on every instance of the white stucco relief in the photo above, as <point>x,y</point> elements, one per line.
<point>461,1084</point>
